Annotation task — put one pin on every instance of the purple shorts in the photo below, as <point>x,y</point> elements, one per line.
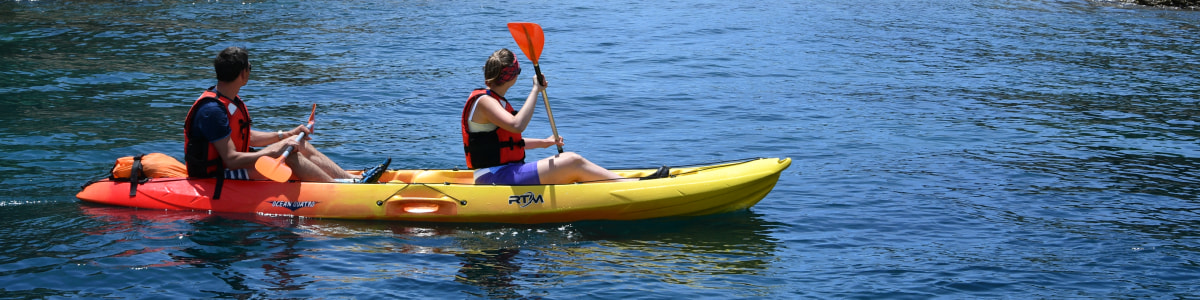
<point>510,174</point>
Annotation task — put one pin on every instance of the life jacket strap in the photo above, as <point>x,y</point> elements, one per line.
<point>220,183</point>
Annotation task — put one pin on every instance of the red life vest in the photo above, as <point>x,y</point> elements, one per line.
<point>201,156</point>
<point>490,148</point>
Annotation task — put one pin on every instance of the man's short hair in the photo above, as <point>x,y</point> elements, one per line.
<point>230,63</point>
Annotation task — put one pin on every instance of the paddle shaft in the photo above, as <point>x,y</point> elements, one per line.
<point>289,149</point>
<point>530,38</point>
<point>546,100</point>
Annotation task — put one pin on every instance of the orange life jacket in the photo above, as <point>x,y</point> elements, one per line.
<point>490,148</point>
<point>201,156</point>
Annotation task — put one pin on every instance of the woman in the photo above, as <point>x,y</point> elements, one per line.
<point>492,137</point>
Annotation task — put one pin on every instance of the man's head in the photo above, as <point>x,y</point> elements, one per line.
<point>230,63</point>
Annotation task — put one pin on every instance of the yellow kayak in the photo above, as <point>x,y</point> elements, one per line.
<point>451,196</point>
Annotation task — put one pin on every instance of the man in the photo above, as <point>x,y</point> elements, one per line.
<point>217,134</point>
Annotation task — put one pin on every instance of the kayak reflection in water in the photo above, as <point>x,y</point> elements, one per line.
<point>492,138</point>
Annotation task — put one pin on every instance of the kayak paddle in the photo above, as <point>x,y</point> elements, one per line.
<point>530,38</point>
<point>274,168</point>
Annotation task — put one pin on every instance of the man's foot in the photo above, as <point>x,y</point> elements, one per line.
<point>663,172</point>
<point>372,175</point>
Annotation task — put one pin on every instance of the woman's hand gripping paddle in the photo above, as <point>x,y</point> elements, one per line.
<point>274,168</point>
<point>530,38</point>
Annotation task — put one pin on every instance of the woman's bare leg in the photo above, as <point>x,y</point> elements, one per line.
<point>569,167</point>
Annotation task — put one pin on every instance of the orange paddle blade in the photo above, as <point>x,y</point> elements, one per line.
<point>312,117</point>
<point>273,168</point>
<point>529,36</point>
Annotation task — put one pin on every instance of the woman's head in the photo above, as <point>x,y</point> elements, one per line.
<point>500,68</point>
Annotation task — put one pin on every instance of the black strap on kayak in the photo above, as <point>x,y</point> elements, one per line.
<point>134,173</point>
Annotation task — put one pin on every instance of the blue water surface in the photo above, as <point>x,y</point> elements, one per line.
<point>943,149</point>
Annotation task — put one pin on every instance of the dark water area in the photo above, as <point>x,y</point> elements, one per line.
<point>943,149</point>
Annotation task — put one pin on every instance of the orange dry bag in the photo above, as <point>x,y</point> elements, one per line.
<point>153,165</point>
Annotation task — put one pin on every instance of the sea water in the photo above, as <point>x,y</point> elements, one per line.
<point>942,149</point>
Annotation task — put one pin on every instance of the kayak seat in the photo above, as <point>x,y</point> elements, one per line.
<point>429,176</point>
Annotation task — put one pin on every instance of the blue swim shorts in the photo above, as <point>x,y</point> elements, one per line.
<point>510,174</point>
<point>239,174</point>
